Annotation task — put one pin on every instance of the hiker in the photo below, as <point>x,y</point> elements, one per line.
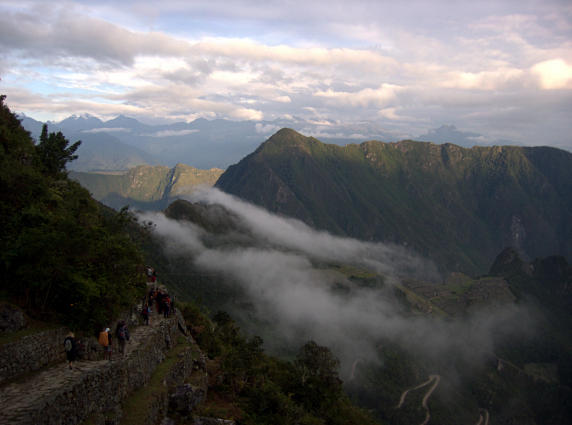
<point>122,334</point>
<point>105,341</point>
<point>145,312</point>
<point>149,273</point>
<point>71,349</point>
<point>166,306</point>
<point>159,299</point>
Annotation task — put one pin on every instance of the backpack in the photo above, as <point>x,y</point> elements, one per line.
<point>122,334</point>
<point>68,345</point>
<point>103,339</point>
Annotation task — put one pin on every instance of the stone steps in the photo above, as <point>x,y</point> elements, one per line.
<point>59,395</point>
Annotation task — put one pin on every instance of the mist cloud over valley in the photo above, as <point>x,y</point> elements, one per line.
<point>289,275</point>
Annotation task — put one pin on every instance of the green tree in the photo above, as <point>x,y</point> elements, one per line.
<point>54,153</point>
<point>319,386</point>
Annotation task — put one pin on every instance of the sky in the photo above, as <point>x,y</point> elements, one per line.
<point>500,69</point>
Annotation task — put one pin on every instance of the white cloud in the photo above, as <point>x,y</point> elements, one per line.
<point>353,67</point>
<point>107,130</point>
<point>390,114</point>
<point>266,129</point>
<point>554,74</point>
<point>483,80</point>
<point>282,99</point>
<point>363,98</point>
<point>171,133</point>
<point>245,49</point>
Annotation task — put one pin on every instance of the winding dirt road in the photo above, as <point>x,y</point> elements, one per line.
<point>436,379</point>
<point>354,365</point>
<point>484,418</point>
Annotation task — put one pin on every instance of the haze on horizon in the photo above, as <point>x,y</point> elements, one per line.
<point>500,70</point>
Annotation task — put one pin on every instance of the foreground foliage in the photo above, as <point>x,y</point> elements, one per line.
<point>255,388</point>
<point>60,256</point>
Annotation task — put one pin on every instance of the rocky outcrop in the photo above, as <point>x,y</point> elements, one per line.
<point>185,398</point>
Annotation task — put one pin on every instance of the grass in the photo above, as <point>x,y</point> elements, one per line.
<point>135,406</point>
<point>414,298</point>
<point>350,271</point>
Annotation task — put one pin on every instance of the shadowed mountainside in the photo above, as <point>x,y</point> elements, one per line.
<point>457,206</point>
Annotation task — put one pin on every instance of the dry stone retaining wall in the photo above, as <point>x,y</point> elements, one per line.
<point>105,387</point>
<point>93,389</point>
<point>31,353</point>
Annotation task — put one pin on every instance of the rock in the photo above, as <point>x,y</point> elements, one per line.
<point>11,318</point>
<point>185,398</point>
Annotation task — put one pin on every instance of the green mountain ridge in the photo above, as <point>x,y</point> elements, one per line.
<point>145,186</point>
<point>458,206</point>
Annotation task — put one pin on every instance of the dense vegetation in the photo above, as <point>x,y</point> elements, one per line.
<point>61,258</point>
<point>458,206</point>
<point>257,389</point>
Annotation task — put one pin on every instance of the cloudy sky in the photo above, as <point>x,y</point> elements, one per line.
<point>499,68</point>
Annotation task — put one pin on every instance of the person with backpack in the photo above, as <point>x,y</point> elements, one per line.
<point>145,312</point>
<point>70,349</point>
<point>105,341</point>
<point>122,334</point>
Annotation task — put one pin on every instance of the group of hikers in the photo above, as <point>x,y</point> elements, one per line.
<point>163,303</point>
<point>105,339</point>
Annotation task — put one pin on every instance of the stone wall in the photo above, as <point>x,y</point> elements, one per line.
<point>104,387</point>
<point>31,353</point>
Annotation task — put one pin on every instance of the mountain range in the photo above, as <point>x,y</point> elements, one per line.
<point>123,142</point>
<point>458,206</point>
<point>412,345</point>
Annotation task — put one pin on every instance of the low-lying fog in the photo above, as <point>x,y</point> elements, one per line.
<point>295,299</point>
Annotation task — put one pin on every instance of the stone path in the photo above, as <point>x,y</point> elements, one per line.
<point>20,400</point>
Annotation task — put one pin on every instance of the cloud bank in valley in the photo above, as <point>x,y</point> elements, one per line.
<point>284,279</point>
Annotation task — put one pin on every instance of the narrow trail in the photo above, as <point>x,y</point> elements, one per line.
<point>436,379</point>
<point>19,399</point>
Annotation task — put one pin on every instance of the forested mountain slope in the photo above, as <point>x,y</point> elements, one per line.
<point>458,206</point>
